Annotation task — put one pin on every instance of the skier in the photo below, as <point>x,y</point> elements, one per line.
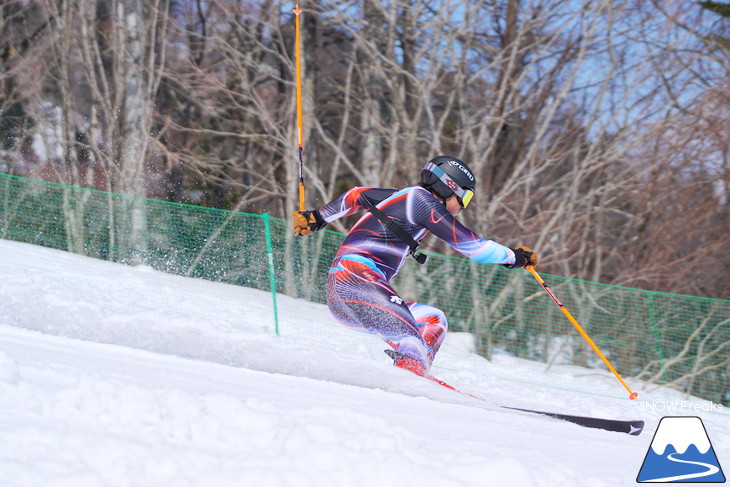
<point>359,294</point>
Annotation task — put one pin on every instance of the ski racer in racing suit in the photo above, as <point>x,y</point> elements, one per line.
<point>359,293</point>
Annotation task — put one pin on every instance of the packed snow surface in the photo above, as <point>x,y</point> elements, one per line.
<point>113,375</point>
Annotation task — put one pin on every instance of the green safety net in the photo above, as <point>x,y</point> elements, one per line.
<point>659,338</point>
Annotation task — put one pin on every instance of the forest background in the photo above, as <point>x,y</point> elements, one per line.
<point>599,130</point>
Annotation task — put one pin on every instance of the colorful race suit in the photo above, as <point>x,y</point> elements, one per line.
<point>359,294</point>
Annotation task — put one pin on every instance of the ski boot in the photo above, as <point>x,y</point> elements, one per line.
<point>408,363</point>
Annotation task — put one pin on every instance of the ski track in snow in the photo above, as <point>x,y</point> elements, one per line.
<point>123,376</point>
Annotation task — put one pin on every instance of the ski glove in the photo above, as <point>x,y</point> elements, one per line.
<point>524,256</point>
<point>306,222</point>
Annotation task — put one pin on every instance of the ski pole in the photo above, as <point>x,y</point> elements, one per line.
<point>632,395</point>
<point>297,12</point>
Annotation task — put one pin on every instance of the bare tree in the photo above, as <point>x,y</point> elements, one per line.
<point>587,123</point>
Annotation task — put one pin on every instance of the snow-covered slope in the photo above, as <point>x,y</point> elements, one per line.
<point>115,375</point>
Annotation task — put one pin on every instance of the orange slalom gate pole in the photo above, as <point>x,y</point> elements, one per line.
<point>297,12</point>
<point>632,394</point>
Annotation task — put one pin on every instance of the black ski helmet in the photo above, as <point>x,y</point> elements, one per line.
<point>446,175</point>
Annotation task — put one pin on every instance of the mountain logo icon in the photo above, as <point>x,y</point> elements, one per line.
<point>681,452</point>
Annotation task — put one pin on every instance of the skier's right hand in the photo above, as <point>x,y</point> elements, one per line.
<point>524,256</point>
<point>306,222</point>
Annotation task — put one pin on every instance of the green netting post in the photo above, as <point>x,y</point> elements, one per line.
<point>272,277</point>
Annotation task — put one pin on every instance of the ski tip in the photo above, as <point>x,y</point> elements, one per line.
<point>635,428</point>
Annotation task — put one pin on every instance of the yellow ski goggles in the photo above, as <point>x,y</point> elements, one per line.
<point>468,195</point>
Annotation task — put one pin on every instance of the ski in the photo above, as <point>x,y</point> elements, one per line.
<point>629,427</point>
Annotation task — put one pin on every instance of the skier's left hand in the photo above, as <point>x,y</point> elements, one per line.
<point>306,222</point>
<point>524,256</point>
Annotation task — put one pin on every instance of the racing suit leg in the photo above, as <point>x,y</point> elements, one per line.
<point>360,297</point>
